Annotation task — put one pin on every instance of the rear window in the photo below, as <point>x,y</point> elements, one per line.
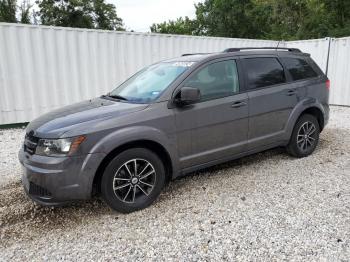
<point>263,72</point>
<point>299,68</point>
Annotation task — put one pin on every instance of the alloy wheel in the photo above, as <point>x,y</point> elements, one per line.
<point>306,137</point>
<point>134,180</point>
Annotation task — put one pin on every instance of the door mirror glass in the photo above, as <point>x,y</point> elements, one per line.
<point>188,95</point>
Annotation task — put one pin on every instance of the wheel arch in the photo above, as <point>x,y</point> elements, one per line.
<point>317,113</point>
<point>307,106</point>
<point>151,145</point>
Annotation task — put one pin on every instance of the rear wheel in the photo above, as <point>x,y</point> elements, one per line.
<point>305,136</point>
<point>133,180</point>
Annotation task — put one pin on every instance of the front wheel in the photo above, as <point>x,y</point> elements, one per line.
<point>133,180</point>
<point>305,136</point>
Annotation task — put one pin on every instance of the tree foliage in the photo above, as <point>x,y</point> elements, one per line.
<point>79,13</point>
<point>8,10</point>
<point>267,19</point>
<point>225,18</point>
<point>181,26</point>
<point>69,13</point>
<point>264,19</point>
<point>11,13</point>
<point>25,12</point>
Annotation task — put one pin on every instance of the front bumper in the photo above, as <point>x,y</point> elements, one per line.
<point>56,180</point>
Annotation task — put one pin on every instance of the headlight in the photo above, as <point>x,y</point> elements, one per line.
<point>58,147</point>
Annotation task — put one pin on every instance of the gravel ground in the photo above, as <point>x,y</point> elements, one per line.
<point>268,206</point>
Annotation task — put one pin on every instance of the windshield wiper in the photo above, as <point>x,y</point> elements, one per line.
<point>116,97</point>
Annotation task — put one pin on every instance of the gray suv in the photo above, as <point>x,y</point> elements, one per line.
<point>172,118</point>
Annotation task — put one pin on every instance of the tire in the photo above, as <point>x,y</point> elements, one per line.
<point>305,136</point>
<point>125,191</point>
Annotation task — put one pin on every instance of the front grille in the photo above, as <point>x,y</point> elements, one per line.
<point>30,144</point>
<point>36,190</point>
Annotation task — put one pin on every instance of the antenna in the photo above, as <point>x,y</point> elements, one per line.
<point>278,44</point>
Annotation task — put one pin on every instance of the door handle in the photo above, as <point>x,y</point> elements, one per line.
<point>291,92</point>
<point>238,104</point>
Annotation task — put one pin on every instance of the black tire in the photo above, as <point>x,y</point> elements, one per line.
<point>112,184</point>
<point>300,144</point>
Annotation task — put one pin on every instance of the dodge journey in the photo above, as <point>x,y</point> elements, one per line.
<point>172,118</point>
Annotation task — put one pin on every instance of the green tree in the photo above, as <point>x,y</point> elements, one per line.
<point>269,19</point>
<point>106,16</point>
<point>8,10</point>
<point>305,19</point>
<point>79,13</point>
<point>25,12</point>
<point>315,23</point>
<point>11,13</point>
<point>338,18</point>
<point>287,18</point>
<point>228,18</point>
<point>64,13</point>
<point>181,26</point>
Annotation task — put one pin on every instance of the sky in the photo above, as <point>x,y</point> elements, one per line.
<point>139,15</point>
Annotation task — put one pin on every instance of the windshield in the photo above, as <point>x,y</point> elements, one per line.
<point>147,85</point>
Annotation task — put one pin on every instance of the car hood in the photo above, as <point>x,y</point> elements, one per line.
<point>55,123</point>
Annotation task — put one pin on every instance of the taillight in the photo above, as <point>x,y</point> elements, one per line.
<point>328,84</point>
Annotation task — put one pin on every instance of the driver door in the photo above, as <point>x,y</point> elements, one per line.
<point>216,127</point>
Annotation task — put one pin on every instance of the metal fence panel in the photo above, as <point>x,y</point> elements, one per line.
<point>339,71</point>
<point>43,68</point>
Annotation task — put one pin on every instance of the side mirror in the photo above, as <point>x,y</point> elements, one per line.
<point>188,95</point>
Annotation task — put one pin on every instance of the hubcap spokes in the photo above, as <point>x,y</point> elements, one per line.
<point>306,136</point>
<point>134,180</point>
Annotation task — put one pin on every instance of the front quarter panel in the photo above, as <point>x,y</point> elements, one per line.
<point>155,124</point>
<point>131,134</point>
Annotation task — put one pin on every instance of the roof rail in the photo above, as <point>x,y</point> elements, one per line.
<point>237,49</point>
<point>195,54</point>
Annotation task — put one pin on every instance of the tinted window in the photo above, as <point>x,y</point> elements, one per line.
<point>263,72</point>
<point>299,68</point>
<point>216,80</point>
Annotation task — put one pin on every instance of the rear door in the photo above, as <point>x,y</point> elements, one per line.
<point>305,74</point>
<point>217,126</point>
<point>271,99</point>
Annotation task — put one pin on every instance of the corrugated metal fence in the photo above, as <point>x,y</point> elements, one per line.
<point>42,68</point>
<point>339,71</point>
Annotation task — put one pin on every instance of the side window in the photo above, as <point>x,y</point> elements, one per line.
<point>263,71</point>
<point>216,80</point>
<point>299,68</point>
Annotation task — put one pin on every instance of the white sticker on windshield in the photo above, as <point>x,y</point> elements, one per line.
<point>183,64</point>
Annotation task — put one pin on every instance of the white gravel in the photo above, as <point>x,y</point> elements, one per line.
<point>264,207</point>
